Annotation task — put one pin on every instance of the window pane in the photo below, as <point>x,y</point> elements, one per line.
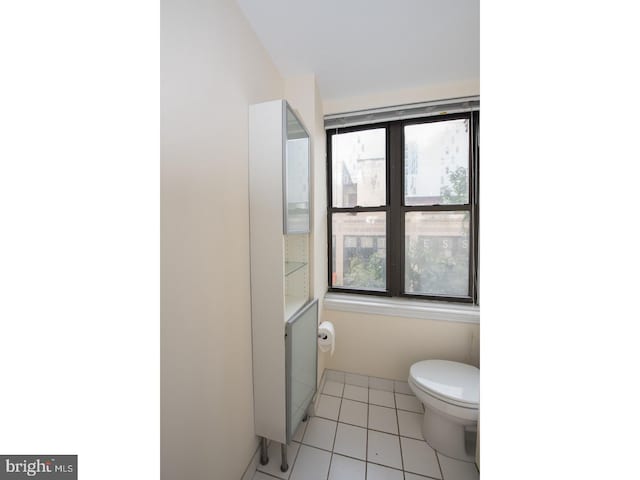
<point>436,163</point>
<point>359,257</point>
<point>437,253</point>
<point>359,168</point>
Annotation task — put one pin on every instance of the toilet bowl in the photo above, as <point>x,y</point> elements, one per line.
<point>450,394</point>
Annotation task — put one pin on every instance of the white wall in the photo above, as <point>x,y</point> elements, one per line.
<point>386,346</point>
<point>213,67</point>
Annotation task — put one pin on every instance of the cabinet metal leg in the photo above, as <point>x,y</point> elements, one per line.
<point>306,416</point>
<point>264,454</point>
<point>284,467</point>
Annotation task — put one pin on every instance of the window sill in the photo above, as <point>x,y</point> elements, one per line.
<point>402,307</point>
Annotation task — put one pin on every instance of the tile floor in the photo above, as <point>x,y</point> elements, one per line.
<point>364,428</point>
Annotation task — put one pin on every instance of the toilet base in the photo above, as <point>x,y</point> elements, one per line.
<point>450,437</point>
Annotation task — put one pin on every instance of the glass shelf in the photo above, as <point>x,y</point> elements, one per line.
<point>291,267</point>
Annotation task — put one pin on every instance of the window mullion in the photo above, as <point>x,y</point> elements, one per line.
<point>396,220</point>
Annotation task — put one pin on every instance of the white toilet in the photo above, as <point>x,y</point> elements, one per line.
<point>450,394</point>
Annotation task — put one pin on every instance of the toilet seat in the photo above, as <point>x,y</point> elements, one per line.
<point>451,382</point>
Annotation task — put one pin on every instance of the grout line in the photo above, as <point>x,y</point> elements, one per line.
<point>346,398</point>
<point>454,459</point>
<point>297,453</point>
<point>335,434</point>
<point>392,468</point>
<point>330,462</point>
<point>366,447</point>
<point>439,466</point>
<point>267,474</point>
<point>410,411</point>
<point>351,424</point>
<point>399,439</point>
<point>315,446</point>
<point>382,431</point>
<point>394,391</point>
<point>335,453</point>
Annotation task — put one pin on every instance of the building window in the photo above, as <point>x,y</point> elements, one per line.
<point>403,211</point>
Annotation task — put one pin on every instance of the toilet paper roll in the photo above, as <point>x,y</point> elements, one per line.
<point>326,337</point>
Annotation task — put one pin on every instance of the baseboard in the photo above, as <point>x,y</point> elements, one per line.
<point>253,465</point>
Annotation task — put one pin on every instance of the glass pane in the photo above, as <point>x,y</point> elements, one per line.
<point>436,163</point>
<point>297,178</point>
<point>359,168</point>
<point>359,255</point>
<point>437,253</point>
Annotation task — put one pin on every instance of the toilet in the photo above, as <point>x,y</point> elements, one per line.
<point>450,394</point>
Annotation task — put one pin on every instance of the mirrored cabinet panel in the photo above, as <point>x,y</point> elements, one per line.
<point>297,153</point>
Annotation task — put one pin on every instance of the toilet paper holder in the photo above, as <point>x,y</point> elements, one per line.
<point>322,337</point>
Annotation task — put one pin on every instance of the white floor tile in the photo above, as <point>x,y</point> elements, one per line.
<point>413,476</point>
<point>343,468</point>
<point>320,433</point>
<point>355,379</point>
<point>383,419</point>
<point>402,387</point>
<point>353,412</point>
<point>328,407</point>
<point>378,472</point>
<point>261,476</point>
<point>335,376</point>
<point>381,384</point>
<point>311,464</point>
<point>333,388</point>
<point>354,392</point>
<point>382,397</point>
<point>275,460</point>
<point>297,437</point>
<point>410,424</point>
<point>457,469</point>
<point>408,402</point>
<point>384,449</point>
<point>351,441</point>
<point>418,457</point>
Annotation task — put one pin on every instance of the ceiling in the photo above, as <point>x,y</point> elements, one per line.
<point>357,47</point>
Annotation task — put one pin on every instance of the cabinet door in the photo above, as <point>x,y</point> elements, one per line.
<point>301,364</point>
<point>296,174</point>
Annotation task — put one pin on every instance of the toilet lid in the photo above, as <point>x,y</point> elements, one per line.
<point>451,381</point>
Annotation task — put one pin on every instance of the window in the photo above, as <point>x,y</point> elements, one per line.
<point>403,208</point>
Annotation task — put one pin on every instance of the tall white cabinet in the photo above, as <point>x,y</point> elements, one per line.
<point>284,319</point>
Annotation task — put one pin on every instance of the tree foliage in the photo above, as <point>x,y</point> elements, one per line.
<point>367,272</point>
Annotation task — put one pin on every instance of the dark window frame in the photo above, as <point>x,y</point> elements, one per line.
<point>395,209</point>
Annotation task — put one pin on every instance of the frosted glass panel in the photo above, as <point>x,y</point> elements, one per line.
<point>297,177</point>
<point>302,343</point>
